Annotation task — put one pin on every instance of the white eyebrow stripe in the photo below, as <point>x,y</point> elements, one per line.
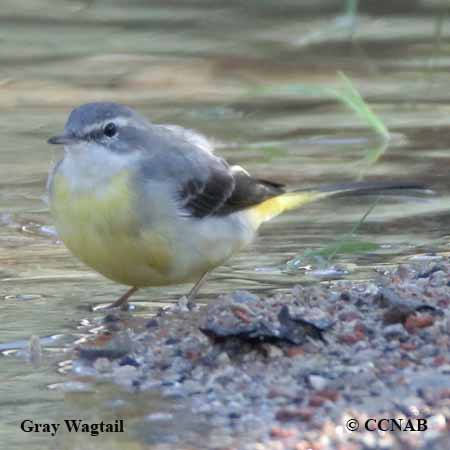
<point>120,121</point>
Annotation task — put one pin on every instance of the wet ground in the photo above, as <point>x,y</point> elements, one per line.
<point>256,79</point>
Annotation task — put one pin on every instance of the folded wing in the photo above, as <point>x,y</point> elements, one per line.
<point>226,190</point>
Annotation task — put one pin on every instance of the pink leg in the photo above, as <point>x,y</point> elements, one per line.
<point>122,302</point>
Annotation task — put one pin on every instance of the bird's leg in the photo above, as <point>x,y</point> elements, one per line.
<point>194,291</point>
<point>122,302</point>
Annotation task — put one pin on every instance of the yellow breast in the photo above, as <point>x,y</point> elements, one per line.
<point>101,228</point>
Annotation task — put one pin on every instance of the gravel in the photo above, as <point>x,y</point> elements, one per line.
<point>289,371</point>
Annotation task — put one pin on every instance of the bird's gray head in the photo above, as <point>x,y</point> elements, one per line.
<point>110,125</point>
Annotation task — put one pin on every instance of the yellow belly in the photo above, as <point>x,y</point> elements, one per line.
<point>101,229</point>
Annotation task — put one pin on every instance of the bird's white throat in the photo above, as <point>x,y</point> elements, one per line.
<point>89,166</point>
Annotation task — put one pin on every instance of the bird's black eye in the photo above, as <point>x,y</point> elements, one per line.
<point>110,129</point>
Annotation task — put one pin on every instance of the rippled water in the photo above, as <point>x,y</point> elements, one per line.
<point>253,77</point>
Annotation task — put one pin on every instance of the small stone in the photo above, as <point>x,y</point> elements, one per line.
<point>128,361</point>
<point>306,445</point>
<point>287,414</point>
<point>360,330</point>
<point>349,339</point>
<point>329,394</point>
<point>316,400</point>
<point>403,272</point>
<point>192,355</point>
<point>416,322</point>
<point>439,278</point>
<point>223,359</point>
<point>276,392</point>
<point>193,387</point>
<point>272,351</point>
<point>296,350</point>
<point>125,375</point>
<point>283,433</point>
<point>444,393</point>
<point>107,346</point>
<point>397,313</point>
<point>430,272</point>
<point>102,365</point>
<point>242,314</point>
<point>408,346</point>
<point>349,316</point>
<point>152,323</point>
<point>394,331</point>
<point>440,361</point>
<point>317,382</point>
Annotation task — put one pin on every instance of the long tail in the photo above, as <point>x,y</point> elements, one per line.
<point>274,206</point>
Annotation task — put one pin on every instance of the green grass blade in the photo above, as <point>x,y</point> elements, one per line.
<point>355,228</point>
<point>352,98</point>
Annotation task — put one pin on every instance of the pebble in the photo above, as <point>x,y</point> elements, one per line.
<point>125,375</point>
<point>288,414</point>
<point>102,365</point>
<point>413,323</point>
<point>394,331</point>
<point>295,351</point>
<point>272,351</point>
<point>317,382</point>
<point>282,433</point>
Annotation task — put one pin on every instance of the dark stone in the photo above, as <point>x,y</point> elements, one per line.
<point>254,327</point>
<point>128,361</point>
<point>399,309</point>
<point>152,323</point>
<point>427,274</point>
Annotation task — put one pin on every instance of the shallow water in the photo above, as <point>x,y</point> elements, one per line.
<point>252,78</point>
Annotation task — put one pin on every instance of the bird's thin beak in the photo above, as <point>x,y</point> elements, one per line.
<point>63,140</point>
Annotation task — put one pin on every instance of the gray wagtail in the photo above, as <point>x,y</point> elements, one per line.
<point>152,205</point>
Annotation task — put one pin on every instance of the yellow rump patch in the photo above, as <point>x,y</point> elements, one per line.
<point>284,202</point>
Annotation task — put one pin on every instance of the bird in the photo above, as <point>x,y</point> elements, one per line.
<point>147,204</point>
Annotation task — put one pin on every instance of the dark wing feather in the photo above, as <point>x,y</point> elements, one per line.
<point>249,192</point>
<point>204,198</point>
<point>226,191</point>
